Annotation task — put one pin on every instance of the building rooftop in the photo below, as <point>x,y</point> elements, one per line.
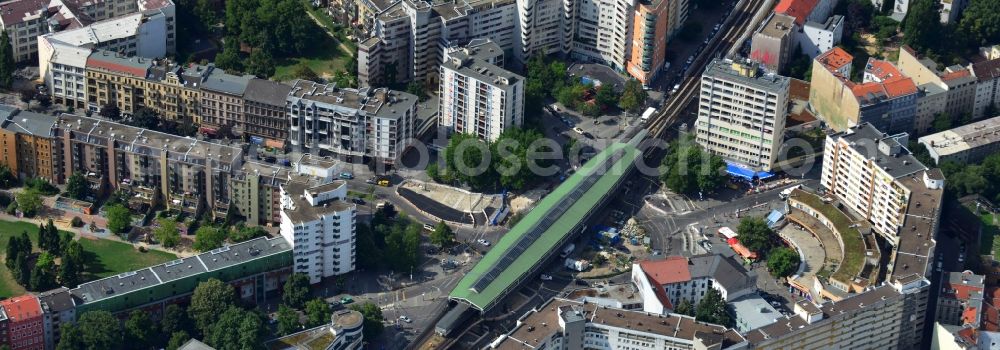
<point>545,320</point>
<point>885,150</point>
<point>214,260</point>
<point>57,300</point>
<point>673,269</point>
<point>963,138</point>
<point>799,9</point>
<point>21,307</point>
<point>468,64</point>
<point>380,102</point>
<point>267,92</point>
<point>16,11</point>
<point>118,63</point>
<point>916,237</point>
<point>778,25</point>
<point>747,75</point>
<point>753,312</point>
<point>101,31</point>
<point>220,81</point>
<point>194,344</point>
<point>881,70</point>
<point>31,123</point>
<point>724,271</point>
<point>302,210</point>
<point>835,59</point>
<point>986,70</point>
<point>66,54</point>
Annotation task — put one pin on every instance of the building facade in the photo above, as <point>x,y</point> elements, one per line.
<point>650,32</point>
<point>967,144</point>
<point>665,284</point>
<point>221,102</point>
<point>477,97</point>
<point>264,112</point>
<point>29,146</point>
<point>320,226</point>
<point>22,325</point>
<point>772,45</point>
<point>961,300</point>
<point>58,308</point>
<point>350,124</point>
<point>741,113</point>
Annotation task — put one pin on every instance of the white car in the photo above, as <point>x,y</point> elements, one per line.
<point>405,319</point>
<point>483,242</point>
<point>545,277</point>
<point>578,130</point>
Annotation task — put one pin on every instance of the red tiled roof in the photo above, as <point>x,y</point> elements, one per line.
<point>21,307</point>
<point>673,269</point>
<point>835,59</point>
<point>13,12</point>
<point>883,70</point>
<point>115,67</point>
<point>899,86</point>
<point>969,315</point>
<point>955,75</point>
<point>800,9</point>
<point>969,335</point>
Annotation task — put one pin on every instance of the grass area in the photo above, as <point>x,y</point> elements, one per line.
<point>854,246</point>
<point>363,195</point>
<point>325,58</point>
<point>988,242</point>
<point>105,257</point>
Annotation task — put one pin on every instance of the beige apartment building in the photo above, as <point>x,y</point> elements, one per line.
<point>131,83</point>
<point>221,102</point>
<point>957,81</point>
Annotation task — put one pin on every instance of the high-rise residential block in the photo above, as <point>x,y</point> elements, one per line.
<point>478,97</point>
<point>320,225</point>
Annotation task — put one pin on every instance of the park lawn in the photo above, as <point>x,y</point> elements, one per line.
<point>988,241</point>
<point>326,58</point>
<point>106,257</point>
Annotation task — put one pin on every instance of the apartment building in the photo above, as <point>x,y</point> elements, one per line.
<point>961,300</point>
<point>256,192</point>
<point>889,316</point>
<point>741,113</point>
<point>546,27</point>
<point>350,124</point>
<point>29,146</point>
<point>957,81</point>
<point>58,308</point>
<point>987,73</point>
<point>664,284</point>
<point>221,101</point>
<point>264,112</point>
<point>948,337</point>
<point>950,10</point>
<point>565,324</point>
<point>25,20</point>
<point>477,97</point>
<point>385,57</point>
<point>320,226</point>
<point>886,98</point>
<point>650,31</point>
<point>65,72</point>
<point>191,175</point>
<point>602,32</point>
<point>773,43</point>
<point>172,91</point>
<point>967,144</point>
<point>22,325</point>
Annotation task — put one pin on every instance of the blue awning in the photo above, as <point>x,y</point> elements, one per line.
<point>740,171</point>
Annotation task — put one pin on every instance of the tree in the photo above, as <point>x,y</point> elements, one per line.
<point>208,238</point>
<point>139,330</point>
<point>288,320</point>
<point>416,89</point>
<point>43,275</point>
<point>229,59</point>
<point>942,122</point>
<point>206,301</point>
<point>29,202</point>
<point>70,338</point>
<point>756,235</point>
<point>690,169</point>
<point>22,270</point>
<point>372,325</point>
<point>144,118</point>
<point>77,186</point>
<point>980,23</point>
<point>174,320</point>
<point>922,25</point>
<point>685,308</point>
<point>510,158</point>
<point>7,65</point>
<point>712,309</point>
<point>302,71</point>
<point>317,313</point>
<point>296,290</point>
<point>783,262</point>
<point>442,235</point>
<point>72,267</point>
<point>633,97</point>
<point>606,96</point>
<point>101,330</point>
<point>119,219</point>
<point>467,159</point>
<point>261,64</point>
<point>111,111</point>
<point>177,339</point>
<point>236,329</point>
<point>167,233</point>
<point>7,177</point>
<point>245,233</point>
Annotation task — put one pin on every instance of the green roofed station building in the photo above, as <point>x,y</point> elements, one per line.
<point>554,222</point>
<point>255,268</point>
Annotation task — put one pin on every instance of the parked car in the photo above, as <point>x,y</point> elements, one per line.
<point>428,227</point>
<point>545,277</point>
<point>346,176</point>
<point>358,201</point>
<point>346,300</point>
<point>371,180</point>
<point>405,319</point>
<point>578,131</point>
<point>582,283</point>
<point>483,242</point>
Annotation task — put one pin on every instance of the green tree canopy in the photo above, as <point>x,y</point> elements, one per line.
<point>922,25</point>
<point>208,237</point>
<point>288,320</point>
<point>71,338</point>
<point>101,330</point>
<point>206,301</point>
<point>7,65</point>
<point>166,233</point>
<point>177,339</point>
<point>317,313</point>
<point>296,290</point>
<point>712,309</point>
<point>29,202</point>
<point>689,169</point>
<point>77,186</point>
<point>174,320</point>
<point>73,264</point>
<point>43,275</point>
<point>783,262</point>
<point>980,23</point>
<point>633,97</point>
<point>139,330</point>
<point>236,329</point>
<point>756,235</point>
<point>119,219</point>
<point>685,308</point>
<point>442,235</point>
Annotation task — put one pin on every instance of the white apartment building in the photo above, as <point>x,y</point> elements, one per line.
<point>65,73</point>
<point>664,284</point>
<point>861,167</point>
<point>25,20</point>
<point>389,46</point>
<point>562,324</point>
<point>602,32</point>
<point>546,27</point>
<point>741,114</point>
<point>350,124</point>
<point>320,226</point>
<point>477,97</point>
